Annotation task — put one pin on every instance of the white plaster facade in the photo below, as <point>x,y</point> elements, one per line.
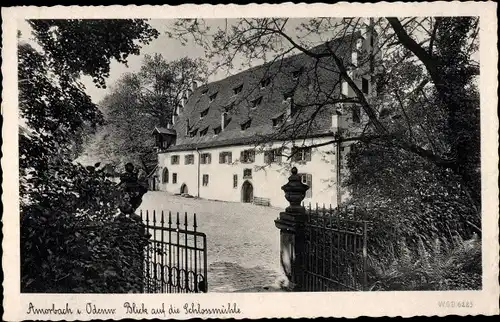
<point>266,180</point>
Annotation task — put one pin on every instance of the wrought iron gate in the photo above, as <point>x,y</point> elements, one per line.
<point>335,252</point>
<point>176,257</point>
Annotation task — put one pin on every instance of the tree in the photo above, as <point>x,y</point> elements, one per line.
<point>140,101</point>
<point>67,209</point>
<point>441,76</point>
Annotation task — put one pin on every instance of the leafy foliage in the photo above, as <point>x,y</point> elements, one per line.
<point>138,102</point>
<point>440,266</point>
<point>71,240</point>
<point>102,41</point>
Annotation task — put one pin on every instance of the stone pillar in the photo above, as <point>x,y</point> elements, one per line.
<point>292,238</point>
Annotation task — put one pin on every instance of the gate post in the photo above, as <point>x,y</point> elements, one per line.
<point>291,224</point>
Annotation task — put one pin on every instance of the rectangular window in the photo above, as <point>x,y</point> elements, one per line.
<point>247,173</point>
<point>205,158</point>
<point>301,154</point>
<point>225,157</point>
<point>365,85</point>
<point>189,159</point>
<point>306,178</point>
<point>272,156</point>
<point>174,159</point>
<point>174,177</point>
<point>235,181</point>
<point>237,90</point>
<point>247,156</point>
<point>205,180</point>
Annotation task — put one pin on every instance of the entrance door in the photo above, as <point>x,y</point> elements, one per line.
<point>247,192</point>
<point>184,188</point>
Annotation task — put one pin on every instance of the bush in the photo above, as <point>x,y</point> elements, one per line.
<point>72,239</point>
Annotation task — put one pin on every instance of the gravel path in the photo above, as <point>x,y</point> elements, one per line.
<point>242,240</point>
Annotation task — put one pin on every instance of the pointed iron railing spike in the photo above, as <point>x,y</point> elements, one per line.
<point>154,217</point>
<point>195,224</point>
<point>178,222</point>
<point>170,217</point>
<point>162,219</point>
<point>317,209</point>
<point>140,213</point>
<point>185,219</point>
<point>147,215</point>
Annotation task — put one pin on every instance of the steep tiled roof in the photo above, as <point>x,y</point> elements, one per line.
<point>306,78</point>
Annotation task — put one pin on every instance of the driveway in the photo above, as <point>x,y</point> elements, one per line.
<point>242,240</point>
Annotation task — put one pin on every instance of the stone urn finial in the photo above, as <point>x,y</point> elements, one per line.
<point>295,192</point>
<point>132,190</point>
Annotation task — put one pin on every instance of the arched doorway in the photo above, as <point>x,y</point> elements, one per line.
<point>184,188</point>
<point>247,192</point>
<point>164,177</point>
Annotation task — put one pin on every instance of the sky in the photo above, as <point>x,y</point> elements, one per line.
<point>170,48</point>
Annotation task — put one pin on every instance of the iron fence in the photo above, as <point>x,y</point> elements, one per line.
<point>176,256</point>
<point>335,251</point>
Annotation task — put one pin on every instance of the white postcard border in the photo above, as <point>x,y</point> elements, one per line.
<point>260,305</point>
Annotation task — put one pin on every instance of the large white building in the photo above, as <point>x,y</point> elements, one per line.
<point>236,139</point>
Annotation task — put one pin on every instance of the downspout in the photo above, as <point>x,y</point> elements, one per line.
<point>337,146</point>
<point>198,190</point>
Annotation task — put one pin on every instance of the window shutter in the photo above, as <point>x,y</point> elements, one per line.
<point>242,156</point>
<point>252,156</point>
<point>309,183</point>
<point>307,153</point>
<point>267,157</point>
<point>221,157</point>
<point>278,157</point>
<point>230,157</point>
<point>209,158</point>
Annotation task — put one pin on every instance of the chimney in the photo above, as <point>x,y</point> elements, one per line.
<point>184,99</point>
<point>288,112</point>
<point>336,119</point>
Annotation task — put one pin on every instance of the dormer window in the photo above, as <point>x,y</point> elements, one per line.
<point>204,92</point>
<point>246,125</point>
<point>297,73</point>
<point>217,130</point>
<point>204,132</point>
<point>256,102</point>
<point>212,97</point>
<point>193,133</point>
<point>237,90</point>
<point>203,113</point>
<point>265,82</point>
<point>277,121</point>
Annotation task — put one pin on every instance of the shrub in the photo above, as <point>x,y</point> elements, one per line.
<point>72,239</point>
